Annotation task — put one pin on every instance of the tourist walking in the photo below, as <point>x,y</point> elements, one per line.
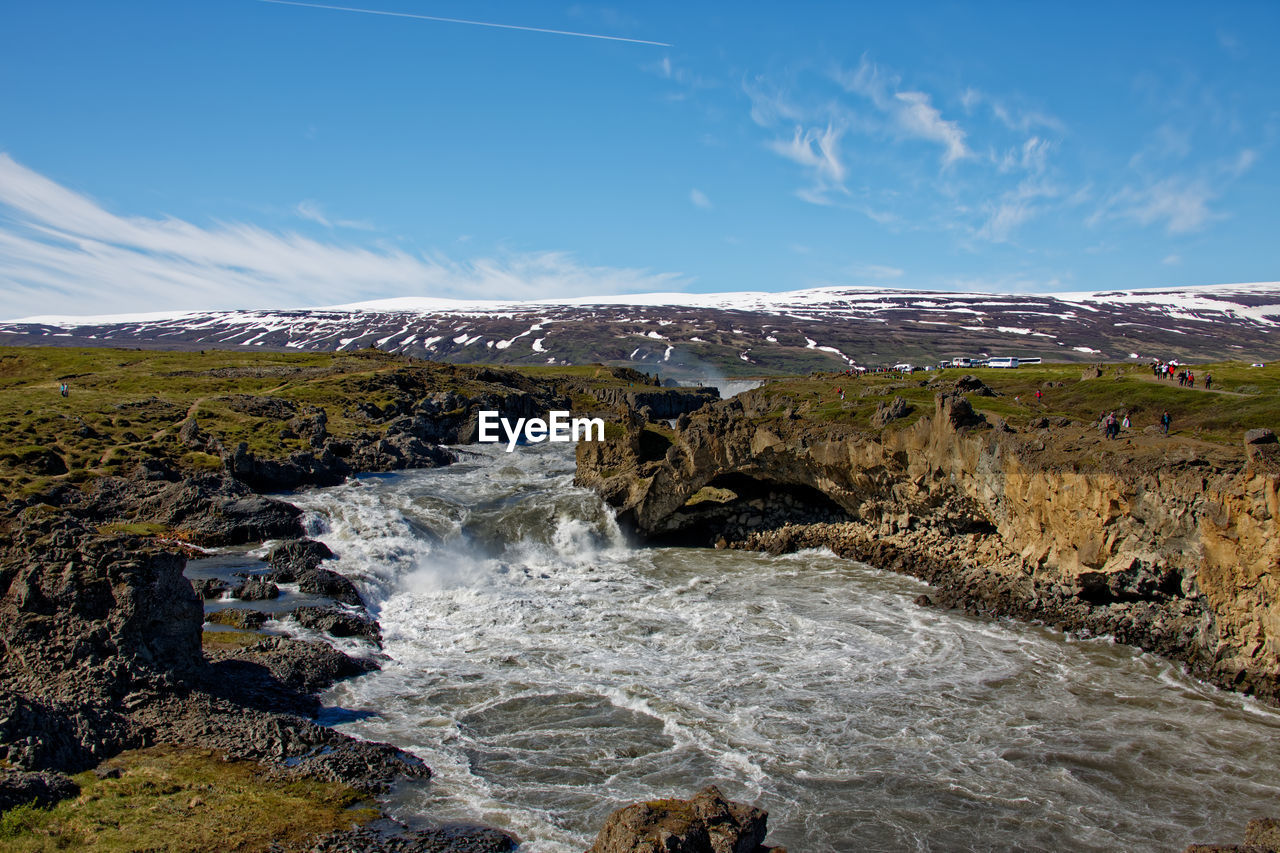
<point>1165,420</point>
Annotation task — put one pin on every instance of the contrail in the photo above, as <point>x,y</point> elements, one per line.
<point>461,21</point>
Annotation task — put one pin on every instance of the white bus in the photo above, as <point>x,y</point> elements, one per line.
<point>1002,362</point>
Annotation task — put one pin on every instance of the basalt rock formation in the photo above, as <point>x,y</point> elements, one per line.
<point>1172,546</point>
<point>706,823</point>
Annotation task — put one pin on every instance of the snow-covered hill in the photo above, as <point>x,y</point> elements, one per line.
<point>755,332</point>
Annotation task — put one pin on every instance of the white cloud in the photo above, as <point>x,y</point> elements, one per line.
<point>312,210</point>
<point>308,209</point>
<point>918,117</point>
<point>699,199</point>
<point>1180,204</point>
<point>1019,119</point>
<point>818,150</point>
<point>1015,208</point>
<point>876,272</point>
<point>61,252</point>
<point>1172,260</point>
<point>911,113</point>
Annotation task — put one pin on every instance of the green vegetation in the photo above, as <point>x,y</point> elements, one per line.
<point>127,406</point>
<point>173,799</point>
<point>230,640</point>
<point>1242,397</point>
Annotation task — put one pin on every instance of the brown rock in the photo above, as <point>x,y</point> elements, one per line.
<point>707,823</point>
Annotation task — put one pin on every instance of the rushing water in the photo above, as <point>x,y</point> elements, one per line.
<point>549,672</point>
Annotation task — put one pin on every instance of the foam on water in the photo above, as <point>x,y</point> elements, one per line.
<point>548,673</point>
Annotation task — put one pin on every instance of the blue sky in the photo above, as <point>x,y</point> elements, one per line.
<point>237,153</point>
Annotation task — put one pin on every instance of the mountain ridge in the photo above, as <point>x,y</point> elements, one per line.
<point>732,333</point>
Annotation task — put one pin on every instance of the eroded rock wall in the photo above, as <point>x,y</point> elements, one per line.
<point>1177,551</point>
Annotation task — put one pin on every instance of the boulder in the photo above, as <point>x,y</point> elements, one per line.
<point>707,823</point>
<point>891,411</point>
<point>955,410</point>
<point>1260,436</point>
<point>44,789</point>
<point>969,384</point>
<point>256,589</point>
<point>209,588</point>
<point>337,623</point>
<point>238,617</point>
<point>295,557</point>
<point>331,584</point>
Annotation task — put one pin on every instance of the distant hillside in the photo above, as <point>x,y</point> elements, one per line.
<point>730,333</point>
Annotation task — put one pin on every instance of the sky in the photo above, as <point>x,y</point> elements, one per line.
<point>189,154</point>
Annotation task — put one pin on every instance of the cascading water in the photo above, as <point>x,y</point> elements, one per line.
<point>549,672</point>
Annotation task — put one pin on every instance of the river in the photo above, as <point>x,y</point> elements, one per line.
<point>549,672</point>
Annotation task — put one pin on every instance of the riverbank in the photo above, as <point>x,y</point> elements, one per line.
<point>1008,505</point>
<point>155,456</point>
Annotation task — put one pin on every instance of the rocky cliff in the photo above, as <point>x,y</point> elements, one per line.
<point>1170,545</point>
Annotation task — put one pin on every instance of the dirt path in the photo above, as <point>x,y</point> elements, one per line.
<point>1198,388</point>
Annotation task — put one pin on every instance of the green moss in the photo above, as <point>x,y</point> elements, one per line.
<point>711,494</point>
<point>230,639</point>
<point>178,799</point>
<point>136,528</point>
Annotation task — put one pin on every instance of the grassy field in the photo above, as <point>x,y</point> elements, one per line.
<point>1242,397</point>
<point>183,800</point>
<point>125,406</point>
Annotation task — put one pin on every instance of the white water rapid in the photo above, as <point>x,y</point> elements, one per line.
<point>549,672</point>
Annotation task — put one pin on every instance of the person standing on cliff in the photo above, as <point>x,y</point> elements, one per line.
<point>1165,420</point>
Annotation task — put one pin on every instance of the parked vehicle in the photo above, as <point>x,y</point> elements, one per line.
<point>1002,362</point>
<point>963,362</point>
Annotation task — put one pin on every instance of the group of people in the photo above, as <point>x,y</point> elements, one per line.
<point>1112,424</point>
<point>1186,377</point>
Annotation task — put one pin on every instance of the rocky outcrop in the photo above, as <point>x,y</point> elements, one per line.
<point>1262,835</point>
<point>665,404</point>
<point>337,623</point>
<point>706,823</point>
<point>255,588</point>
<point>41,789</point>
<point>1171,546</point>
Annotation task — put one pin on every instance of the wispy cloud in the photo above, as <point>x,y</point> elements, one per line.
<point>1016,118</point>
<point>818,150</point>
<point>876,272</point>
<point>1179,203</point>
<point>62,252</point>
<point>911,113</point>
<point>314,211</point>
<point>1014,208</point>
<point>699,199</point>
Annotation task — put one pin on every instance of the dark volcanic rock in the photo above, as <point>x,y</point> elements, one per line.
<point>256,589</point>
<point>44,789</point>
<point>330,583</point>
<point>708,823</point>
<point>891,411</point>
<point>956,410</point>
<point>969,384</point>
<point>237,617</point>
<point>209,588</point>
<point>337,623</point>
<point>296,557</point>
<point>440,839</point>
<point>295,664</point>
